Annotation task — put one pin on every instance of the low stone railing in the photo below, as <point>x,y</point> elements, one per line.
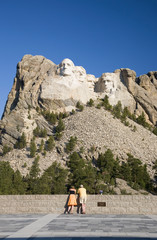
<point>96,204</point>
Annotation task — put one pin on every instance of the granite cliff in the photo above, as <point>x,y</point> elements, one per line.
<point>41,84</point>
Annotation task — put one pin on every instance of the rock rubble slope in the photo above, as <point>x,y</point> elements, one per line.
<point>97,129</point>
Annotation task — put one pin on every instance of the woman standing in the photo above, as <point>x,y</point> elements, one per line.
<point>72,200</point>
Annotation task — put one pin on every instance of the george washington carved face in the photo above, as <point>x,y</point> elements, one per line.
<point>66,68</point>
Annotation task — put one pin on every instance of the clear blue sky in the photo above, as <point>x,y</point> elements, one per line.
<point>100,35</point>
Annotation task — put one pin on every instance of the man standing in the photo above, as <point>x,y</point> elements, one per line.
<point>82,198</point>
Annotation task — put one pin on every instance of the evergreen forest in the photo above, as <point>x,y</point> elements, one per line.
<point>95,176</point>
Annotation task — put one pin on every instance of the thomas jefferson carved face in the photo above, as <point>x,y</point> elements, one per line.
<point>66,68</point>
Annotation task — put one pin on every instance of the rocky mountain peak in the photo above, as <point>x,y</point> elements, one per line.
<point>40,83</point>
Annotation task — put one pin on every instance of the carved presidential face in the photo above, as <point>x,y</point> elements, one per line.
<point>108,82</point>
<point>66,68</point>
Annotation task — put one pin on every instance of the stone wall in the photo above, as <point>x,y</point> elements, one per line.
<point>115,204</point>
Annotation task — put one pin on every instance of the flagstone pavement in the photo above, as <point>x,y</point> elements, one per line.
<point>78,227</point>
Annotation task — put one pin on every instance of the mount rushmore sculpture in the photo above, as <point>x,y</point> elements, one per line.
<point>41,83</point>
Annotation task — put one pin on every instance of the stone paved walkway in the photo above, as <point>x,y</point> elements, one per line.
<point>75,227</point>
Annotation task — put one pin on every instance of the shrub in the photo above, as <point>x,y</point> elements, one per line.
<point>126,123</point>
<point>81,150</point>
<point>37,109</point>
<point>92,149</point>
<point>90,103</point>
<point>62,115</point>
<point>6,149</point>
<point>44,153</point>
<point>79,106</point>
<point>98,106</point>
<point>24,165</point>
<point>155,130</point>
<point>73,112</point>
<point>123,191</point>
<point>134,129</point>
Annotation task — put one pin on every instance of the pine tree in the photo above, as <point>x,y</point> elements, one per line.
<point>6,178</point>
<point>77,173</point>
<point>21,142</point>
<point>106,103</point>
<point>41,146</point>
<point>19,186</point>
<point>50,143</point>
<point>140,178</point>
<point>50,117</point>
<point>43,133</point>
<point>33,148</point>
<point>71,144</point>
<point>60,127</point>
<point>109,167</point>
<point>33,178</point>
<point>142,121</point>
<point>53,180</point>
<point>89,180</point>
<point>117,110</point>
<point>35,170</point>
<point>37,132</point>
<point>58,135</point>
<point>125,172</point>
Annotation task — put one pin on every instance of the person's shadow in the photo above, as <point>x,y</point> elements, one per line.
<point>66,206</point>
<point>79,207</point>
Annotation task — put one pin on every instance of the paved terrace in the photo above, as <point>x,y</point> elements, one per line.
<point>77,226</point>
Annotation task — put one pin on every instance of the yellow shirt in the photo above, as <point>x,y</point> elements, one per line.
<point>82,192</point>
